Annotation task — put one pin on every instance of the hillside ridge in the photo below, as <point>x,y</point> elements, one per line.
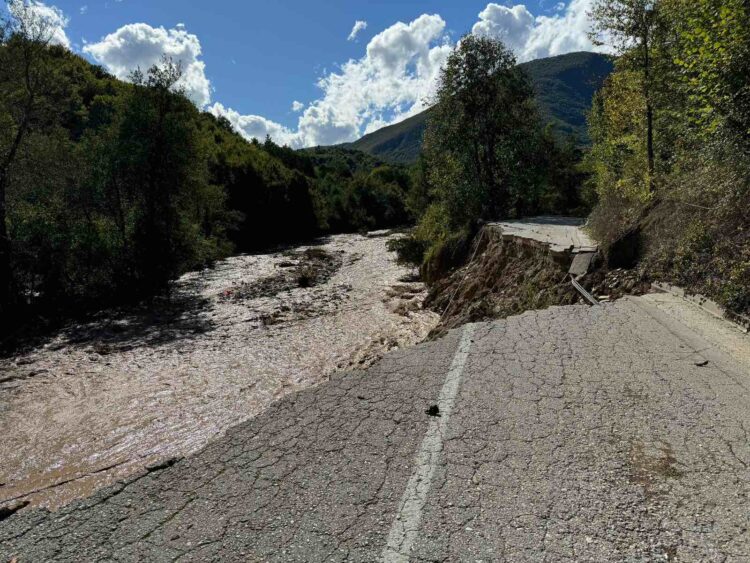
<point>564,84</point>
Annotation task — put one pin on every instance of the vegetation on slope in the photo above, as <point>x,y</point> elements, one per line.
<point>671,131</point>
<point>400,142</point>
<point>356,192</point>
<point>109,190</point>
<point>486,157</point>
<point>564,87</point>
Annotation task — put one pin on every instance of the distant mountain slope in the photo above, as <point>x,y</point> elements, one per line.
<point>564,85</point>
<point>396,143</point>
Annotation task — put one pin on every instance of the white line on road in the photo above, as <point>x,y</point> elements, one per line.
<point>406,526</point>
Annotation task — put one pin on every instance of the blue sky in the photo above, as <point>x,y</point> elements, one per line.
<point>252,60</point>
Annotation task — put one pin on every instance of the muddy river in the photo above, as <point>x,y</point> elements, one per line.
<point>133,388</point>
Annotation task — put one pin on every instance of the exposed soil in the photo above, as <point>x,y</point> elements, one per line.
<point>133,387</point>
<point>504,278</point>
<point>507,277</point>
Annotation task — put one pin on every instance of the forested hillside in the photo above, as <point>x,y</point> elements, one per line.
<point>109,190</point>
<point>563,85</point>
<point>670,160</point>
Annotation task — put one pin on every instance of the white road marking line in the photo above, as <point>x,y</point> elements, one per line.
<point>406,525</point>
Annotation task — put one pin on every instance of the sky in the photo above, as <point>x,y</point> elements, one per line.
<point>308,73</point>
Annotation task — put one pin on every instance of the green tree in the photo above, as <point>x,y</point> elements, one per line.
<point>160,166</point>
<point>631,27</point>
<point>26,78</point>
<point>688,61</point>
<point>481,136</point>
<point>711,44</point>
<point>112,189</point>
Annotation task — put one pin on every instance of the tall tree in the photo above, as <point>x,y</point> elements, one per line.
<point>24,80</point>
<point>480,138</point>
<point>630,27</point>
<point>712,51</point>
<point>160,161</point>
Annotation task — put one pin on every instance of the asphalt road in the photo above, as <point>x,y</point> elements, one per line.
<point>560,233</point>
<point>573,434</point>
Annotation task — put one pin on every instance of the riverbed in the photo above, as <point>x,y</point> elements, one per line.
<point>133,388</point>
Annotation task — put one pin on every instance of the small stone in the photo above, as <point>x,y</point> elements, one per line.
<point>434,410</point>
<point>10,509</point>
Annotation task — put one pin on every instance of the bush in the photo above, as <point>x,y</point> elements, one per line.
<point>445,255</point>
<point>409,250</point>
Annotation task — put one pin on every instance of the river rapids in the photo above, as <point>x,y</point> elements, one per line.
<point>105,399</point>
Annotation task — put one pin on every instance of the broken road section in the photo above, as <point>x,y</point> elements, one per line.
<point>577,434</point>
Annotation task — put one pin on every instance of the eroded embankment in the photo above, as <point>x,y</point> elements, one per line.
<point>507,276</point>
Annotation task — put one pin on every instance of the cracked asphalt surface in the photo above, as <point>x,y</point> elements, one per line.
<point>577,434</point>
<point>559,233</point>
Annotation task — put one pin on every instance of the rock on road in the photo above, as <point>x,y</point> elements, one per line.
<point>572,434</point>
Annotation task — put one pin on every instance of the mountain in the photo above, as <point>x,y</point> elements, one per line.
<point>564,86</point>
<point>399,143</point>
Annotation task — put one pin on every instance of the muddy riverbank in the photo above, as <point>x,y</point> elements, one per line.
<point>132,388</point>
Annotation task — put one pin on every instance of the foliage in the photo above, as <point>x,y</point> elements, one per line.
<point>356,192</point>
<point>480,141</point>
<point>694,227</point>
<point>713,54</point>
<point>120,209</point>
<point>114,189</point>
<point>486,156</point>
<point>618,160</point>
<point>271,201</point>
<point>27,80</point>
<point>634,28</point>
<point>409,250</point>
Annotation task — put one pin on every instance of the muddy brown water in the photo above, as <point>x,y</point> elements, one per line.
<point>106,399</point>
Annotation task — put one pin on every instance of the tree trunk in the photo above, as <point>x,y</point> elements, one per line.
<point>649,106</point>
<point>5,271</point>
<point>650,144</point>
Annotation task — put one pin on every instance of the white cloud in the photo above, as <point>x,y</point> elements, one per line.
<point>399,70</point>
<point>254,126</point>
<point>542,36</point>
<point>566,32</point>
<point>138,45</point>
<point>394,79</point>
<point>513,25</point>
<point>46,22</point>
<point>389,83</point>
<point>359,25</point>
<point>83,9</point>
